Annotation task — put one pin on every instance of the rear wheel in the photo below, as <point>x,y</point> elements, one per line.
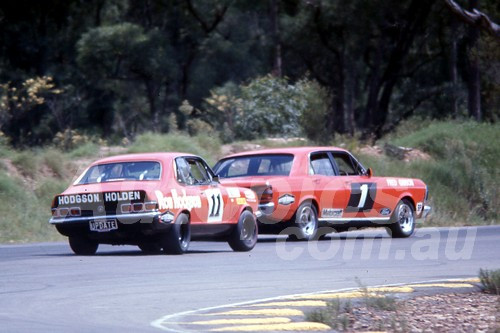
<point>244,236</point>
<point>306,222</point>
<point>176,241</point>
<point>83,246</point>
<point>402,220</point>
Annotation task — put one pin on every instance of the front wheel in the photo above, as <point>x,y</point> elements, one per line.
<point>83,246</point>
<point>176,241</point>
<point>402,220</point>
<point>306,222</point>
<point>244,236</point>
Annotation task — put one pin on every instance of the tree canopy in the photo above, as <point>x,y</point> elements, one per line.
<point>247,69</point>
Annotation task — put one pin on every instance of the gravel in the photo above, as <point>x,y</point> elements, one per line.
<point>455,312</point>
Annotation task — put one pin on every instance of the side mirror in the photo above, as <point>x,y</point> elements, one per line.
<point>369,172</point>
<point>215,178</point>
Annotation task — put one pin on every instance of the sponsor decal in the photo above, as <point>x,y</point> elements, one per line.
<point>176,201</point>
<point>400,182</point>
<point>78,198</point>
<point>286,199</point>
<point>98,197</point>
<point>332,212</point>
<point>420,206</point>
<point>241,201</point>
<point>250,195</point>
<point>233,192</point>
<point>385,211</point>
<point>122,196</point>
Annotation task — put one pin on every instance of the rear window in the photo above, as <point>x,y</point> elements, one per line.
<point>121,171</point>
<point>255,165</point>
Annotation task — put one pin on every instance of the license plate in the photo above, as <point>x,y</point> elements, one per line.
<point>103,225</point>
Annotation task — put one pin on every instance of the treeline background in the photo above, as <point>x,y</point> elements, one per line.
<point>240,69</point>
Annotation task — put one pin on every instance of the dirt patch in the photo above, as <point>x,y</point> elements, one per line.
<point>458,312</point>
<point>401,153</point>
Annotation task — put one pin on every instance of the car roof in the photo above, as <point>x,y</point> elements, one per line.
<point>141,157</point>
<point>286,150</point>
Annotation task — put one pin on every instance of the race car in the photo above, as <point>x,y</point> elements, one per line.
<point>158,201</point>
<point>306,188</point>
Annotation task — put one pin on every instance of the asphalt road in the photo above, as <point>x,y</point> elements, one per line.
<point>45,288</point>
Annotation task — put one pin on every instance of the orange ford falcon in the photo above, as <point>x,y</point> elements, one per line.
<point>303,189</point>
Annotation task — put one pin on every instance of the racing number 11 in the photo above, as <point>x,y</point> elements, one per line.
<point>215,205</point>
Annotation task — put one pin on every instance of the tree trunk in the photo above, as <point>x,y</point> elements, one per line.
<point>277,62</point>
<point>474,80</point>
<point>454,68</point>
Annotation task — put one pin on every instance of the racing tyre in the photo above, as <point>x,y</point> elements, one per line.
<point>306,222</point>
<point>244,236</point>
<point>83,246</point>
<point>402,220</point>
<point>150,247</point>
<point>176,241</point>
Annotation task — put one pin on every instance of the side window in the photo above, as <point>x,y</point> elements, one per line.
<point>191,171</point>
<point>321,165</point>
<point>346,165</point>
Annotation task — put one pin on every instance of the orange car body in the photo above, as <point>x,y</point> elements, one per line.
<point>145,197</point>
<point>343,193</point>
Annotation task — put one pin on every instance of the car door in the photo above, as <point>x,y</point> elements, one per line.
<point>329,190</point>
<point>361,190</point>
<point>197,179</point>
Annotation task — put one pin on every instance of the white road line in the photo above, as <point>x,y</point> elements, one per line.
<point>158,323</point>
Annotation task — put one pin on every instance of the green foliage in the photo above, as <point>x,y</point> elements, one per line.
<point>462,176</point>
<point>84,150</point>
<point>24,213</point>
<point>334,315</point>
<point>27,162</point>
<point>205,146</point>
<point>490,280</point>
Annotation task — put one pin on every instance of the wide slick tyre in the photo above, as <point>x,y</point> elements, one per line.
<point>244,236</point>
<point>305,222</point>
<point>83,246</point>
<point>402,220</point>
<point>176,240</point>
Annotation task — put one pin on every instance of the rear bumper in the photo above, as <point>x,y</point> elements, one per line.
<point>427,211</point>
<point>132,228</point>
<point>121,218</point>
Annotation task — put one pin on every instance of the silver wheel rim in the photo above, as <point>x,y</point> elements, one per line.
<point>307,221</point>
<point>247,230</point>
<point>405,218</point>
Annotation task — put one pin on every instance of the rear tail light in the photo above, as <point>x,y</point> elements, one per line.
<point>151,205</point>
<point>126,208</point>
<point>266,196</point>
<point>55,212</point>
<point>138,207</point>
<point>75,211</point>
<point>63,212</point>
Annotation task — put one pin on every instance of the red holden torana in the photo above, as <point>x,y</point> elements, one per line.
<point>156,201</point>
<point>303,189</point>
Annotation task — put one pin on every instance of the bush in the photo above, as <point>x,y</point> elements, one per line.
<point>27,163</point>
<point>490,280</point>
<point>205,146</point>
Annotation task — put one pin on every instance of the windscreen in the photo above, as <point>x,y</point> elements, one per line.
<point>121,171</point>
<point>255,165</point>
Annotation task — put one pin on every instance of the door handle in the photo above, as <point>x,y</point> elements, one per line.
<point>316,181</point>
